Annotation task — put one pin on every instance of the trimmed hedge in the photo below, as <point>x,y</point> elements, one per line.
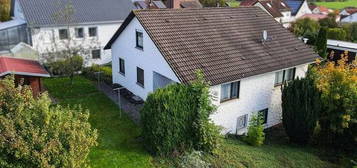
<point>106,75</point>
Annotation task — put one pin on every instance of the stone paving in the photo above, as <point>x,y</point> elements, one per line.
<point>132,110</point>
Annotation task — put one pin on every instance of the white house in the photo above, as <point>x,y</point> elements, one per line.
<point>154,48</point>
<point>83,24</point>
<point>350,18</point>
<point>298,8</point>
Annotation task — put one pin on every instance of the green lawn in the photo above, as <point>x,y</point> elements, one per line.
<point>119,145</point>
<point>233,3</point>
<point>118,136</point>
<point>338,5</point>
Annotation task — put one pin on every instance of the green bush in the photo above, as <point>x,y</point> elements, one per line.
<point>66,67</point>
<point>35,134</point>
<point>301,105</point>
<point>176,118</point>
<point>106,75</point>
<point>336,34</point>
<point>255,135</point>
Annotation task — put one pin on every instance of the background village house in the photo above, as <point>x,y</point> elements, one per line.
<point>245,69</point>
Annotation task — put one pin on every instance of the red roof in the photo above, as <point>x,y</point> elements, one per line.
<point>19,66</point>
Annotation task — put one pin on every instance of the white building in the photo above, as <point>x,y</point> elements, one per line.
<point>350,18</point>
<point>154,48</point>
<point>82,24</point>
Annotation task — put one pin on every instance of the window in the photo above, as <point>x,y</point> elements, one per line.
<point>284,75</point>
<point>264,115</point>
<point>230,91</point>
<point>96,54</point>
<point>140,76</point>
<point>139,39</point>
<point>121,66</point>
<point>63,34</point>
<point>242,122</point>
<point>79,32</point>
<point>92,31</point>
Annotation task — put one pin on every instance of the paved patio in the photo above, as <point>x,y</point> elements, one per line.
<point>133,110</point>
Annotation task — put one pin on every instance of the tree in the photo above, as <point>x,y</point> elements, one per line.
<point>213,3</point>
<point>176,118</point>
<point>337,82</point>
<point>305,28</point>
<point>336,34</point>
<point>35,134</point>
<point>321,43</point>
<point>301,107</point>
<point>4,10</point>
<point>329,21</point>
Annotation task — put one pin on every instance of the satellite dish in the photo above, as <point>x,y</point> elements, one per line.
<point>265,35</point>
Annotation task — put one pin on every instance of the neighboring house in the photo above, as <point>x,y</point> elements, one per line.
<point>145,4</point>
<point>278,9</point>
<point>350,18</point>
<point>183,4</point>
<point>298,8</point>
<point>27,72</point>
<point>154,48</point>
<point>315,17</point>
<point>348,11</point>
<point>320,10</point>
<point>86,24</point>
<point>335,48</point>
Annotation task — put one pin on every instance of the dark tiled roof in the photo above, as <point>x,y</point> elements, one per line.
<point>224,42</point>
<point>43,12</point>
<point>191,4</point>
<point>274,7</point>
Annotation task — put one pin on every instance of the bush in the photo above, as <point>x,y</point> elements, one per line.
<point>176,118</point>
<point>106,75</point>
<point>336,34</point>
<point>255,135</point>
<point>305,27</point>
<point>34,134</point>
<point>193,160</point>
<point>301,106</point>
<point>66,67</point>
<point>321,43</point>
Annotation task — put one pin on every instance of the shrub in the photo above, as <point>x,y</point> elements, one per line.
<point>106,75</point>
<point>301,106</point>
<point>304,27</point>
<point>193,160</point>
<point>321,43</point>
<point>66,67</point>
<point>34,134</point>
<point>255,135</point>
<point>336,34</point>
<point>176,118</point>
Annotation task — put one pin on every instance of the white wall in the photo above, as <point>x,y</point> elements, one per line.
<point>46,39</point>
<point>304,9</point>
<point>149,59</point>
<point>18,14</point>
<point>256,93</point>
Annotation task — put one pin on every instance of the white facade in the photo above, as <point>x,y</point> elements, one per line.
<point>304,9</point>
<point>256,92</point>
<point>46,39</point>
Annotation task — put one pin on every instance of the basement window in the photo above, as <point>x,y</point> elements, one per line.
<point>263,114</point>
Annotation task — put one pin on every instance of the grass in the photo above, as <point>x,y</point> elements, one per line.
<point>119,145</point>
<point>338,5</point>
<point>118,136</point>
<point>233,3</point>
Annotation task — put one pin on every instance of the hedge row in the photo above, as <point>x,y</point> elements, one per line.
<point>105,75</point>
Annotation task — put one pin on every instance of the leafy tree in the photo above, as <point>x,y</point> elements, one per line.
<point>255,135</point>
<point>301,106</point>
<point>338,119</point>
<point>336,34</point>
<point>301,27</point>
<point>66,67</point>
<point>351,31</point>
<point>321,42</point>
<point>213,3</point>
<point>4,10</point>
<point>34,134</point>
<point>176,118</point>
<point>329,21</point>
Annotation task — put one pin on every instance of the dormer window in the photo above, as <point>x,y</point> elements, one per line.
<point>139,39</point>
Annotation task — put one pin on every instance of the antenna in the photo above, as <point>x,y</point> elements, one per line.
<point>265,35</point>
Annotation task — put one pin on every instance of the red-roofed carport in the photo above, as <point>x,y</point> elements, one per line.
<point>29,70</point>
